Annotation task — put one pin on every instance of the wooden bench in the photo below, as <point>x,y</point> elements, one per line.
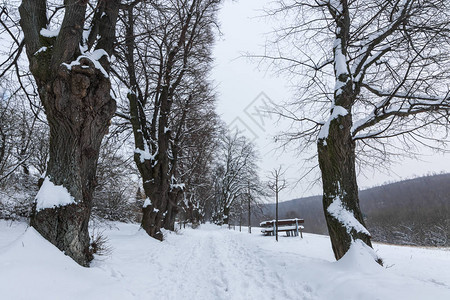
<point>290,226</point>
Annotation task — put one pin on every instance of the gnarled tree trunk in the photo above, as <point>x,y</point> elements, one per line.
<point>78,105</point>
<point>78,108</point>
<point>153,170</point>
<point>152,160</point>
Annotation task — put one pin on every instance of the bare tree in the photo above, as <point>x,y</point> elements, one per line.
<point>16,136</point>
<point>69,59</point>
<point>256,192</point>
<point>236,171</point>
<point>198,148</point>
<point>114,196</point>
<point>377,73</point>
<point>21,114</point>
<point>277,183</point>
<point>166,47</point>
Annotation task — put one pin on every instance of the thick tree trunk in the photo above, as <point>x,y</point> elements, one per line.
<point>153,217</point>
<point>79,108</point>
<point>337,164</point>
<point>153,168</point>
<point>162,210</point>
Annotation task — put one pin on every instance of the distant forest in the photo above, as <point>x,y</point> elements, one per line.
<point>410,212</point>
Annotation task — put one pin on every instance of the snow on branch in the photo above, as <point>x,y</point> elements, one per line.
<point>174,185</point>
<point>365,60</point>
<point>144,154</point>
<point>364,57</point>
<point>94,57</point>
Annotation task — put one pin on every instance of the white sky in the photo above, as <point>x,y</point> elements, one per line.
<point>240,85</point>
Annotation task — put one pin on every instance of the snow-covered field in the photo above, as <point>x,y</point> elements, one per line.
<point>216,263</point>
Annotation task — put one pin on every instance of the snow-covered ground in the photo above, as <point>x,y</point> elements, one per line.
<point>216,263</point>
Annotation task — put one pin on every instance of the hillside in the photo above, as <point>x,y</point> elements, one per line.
<point>409,212</point>
<point>216,263</point>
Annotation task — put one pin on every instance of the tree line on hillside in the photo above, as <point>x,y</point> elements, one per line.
<point>110,103</point>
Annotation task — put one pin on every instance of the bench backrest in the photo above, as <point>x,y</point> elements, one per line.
<point>286,222</point>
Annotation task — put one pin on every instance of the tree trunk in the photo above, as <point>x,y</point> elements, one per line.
<point>240,221</point>
<point>79,108</point>
<point>172,211</point>
<point>337,164</point>
<point>336,152</point>
<point>249,216</point>
<point>276,210</point>
<point>153,170</point>
<point>226,215</point>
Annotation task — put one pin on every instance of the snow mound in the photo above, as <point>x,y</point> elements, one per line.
<point>360,257</point>
<point>29,244</point>
<point>32,268</point>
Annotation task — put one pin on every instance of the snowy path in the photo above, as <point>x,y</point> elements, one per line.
<point>205,264</point>
<point>213,263</point>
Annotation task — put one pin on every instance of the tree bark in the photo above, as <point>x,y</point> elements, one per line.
<point>337,164</point>
<point>79,108</point>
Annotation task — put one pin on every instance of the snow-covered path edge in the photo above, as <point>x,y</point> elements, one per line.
<point>215,263</point>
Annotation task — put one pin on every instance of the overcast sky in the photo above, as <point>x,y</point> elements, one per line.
<point>244,90</point>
